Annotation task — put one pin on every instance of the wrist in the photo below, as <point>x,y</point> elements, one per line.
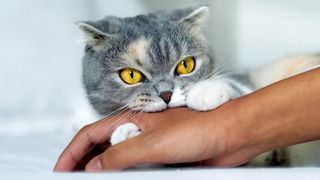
<point>231,142</point>
<point>238,130</point>
<point>273,117</point>
<point>242,134</point>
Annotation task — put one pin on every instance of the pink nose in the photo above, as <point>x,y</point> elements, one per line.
<point>166,96</point>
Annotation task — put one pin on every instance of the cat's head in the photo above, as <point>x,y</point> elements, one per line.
<point>147,62</point>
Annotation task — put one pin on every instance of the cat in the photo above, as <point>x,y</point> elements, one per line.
<point>162,60</point>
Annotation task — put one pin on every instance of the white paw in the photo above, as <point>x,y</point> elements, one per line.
<point>124,132</point>
<point>208,95</point>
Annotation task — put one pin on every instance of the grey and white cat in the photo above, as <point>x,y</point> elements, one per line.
<point>162,60</point>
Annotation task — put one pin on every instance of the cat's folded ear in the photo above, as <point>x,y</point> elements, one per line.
<point>94,37</point>
<point>195,19</point>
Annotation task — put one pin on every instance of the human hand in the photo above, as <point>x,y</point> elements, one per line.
<point>273,117</point>
<point>174,136</point>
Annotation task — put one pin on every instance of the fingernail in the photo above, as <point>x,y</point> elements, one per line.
<point>94,165</point>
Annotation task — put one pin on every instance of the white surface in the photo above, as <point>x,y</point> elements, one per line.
<point>219,174</point>
<point>40,82</point>
<point>23,149</point>
<point>32,155</point>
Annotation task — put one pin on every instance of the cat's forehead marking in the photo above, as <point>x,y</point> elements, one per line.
<point>137,51</point>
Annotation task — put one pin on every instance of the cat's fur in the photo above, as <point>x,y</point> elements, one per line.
<point>154,44</point>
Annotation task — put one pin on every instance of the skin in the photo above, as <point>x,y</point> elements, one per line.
<point>279,115</point>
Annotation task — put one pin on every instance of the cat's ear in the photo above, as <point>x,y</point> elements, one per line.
<point>195,20</point>
<point>94,37</point>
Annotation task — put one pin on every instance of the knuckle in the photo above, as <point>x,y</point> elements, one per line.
<point>85,128</point>
<point>86,133</point>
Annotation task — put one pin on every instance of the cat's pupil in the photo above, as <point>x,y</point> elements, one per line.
<point>184,64</point>
<point>131,74</point>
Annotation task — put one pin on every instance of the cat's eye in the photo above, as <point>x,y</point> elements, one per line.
<point>186,66</point>
<point>130,76</point>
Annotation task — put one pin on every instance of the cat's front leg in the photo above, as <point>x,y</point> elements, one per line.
<point>124,132</point>
<point>210,94</point>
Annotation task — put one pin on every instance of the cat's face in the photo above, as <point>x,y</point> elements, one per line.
<point>146,62</point>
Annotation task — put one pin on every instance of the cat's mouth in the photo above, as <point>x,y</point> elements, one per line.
<point>166,100</point>
<point>154,108</point>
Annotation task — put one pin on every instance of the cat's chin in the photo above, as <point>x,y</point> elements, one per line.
<point>176,106</point>
<point>155,110</point>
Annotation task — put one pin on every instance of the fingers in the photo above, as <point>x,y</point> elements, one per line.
<point>230,160</point>
<point>124,155</point>
<point>89,137</point>
<point>78,147</point>
<point>85,140</point>
<point>97,150</point>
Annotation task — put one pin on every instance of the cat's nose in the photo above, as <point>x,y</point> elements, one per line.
<point>166,96</point>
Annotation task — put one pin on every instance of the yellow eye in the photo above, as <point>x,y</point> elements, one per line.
<point>186,66</point>
<point>131,76</point>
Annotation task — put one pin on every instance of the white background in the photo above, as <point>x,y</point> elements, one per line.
<point>40,60</point>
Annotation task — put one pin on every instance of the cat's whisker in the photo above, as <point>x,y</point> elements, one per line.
<point>140,115</point>
<point>124,116</point>
<point>118,120</point>
<point>215,72</point>
<point>223,62</point>
<point>226,56</point>
<point>96,125</point>
<point>80,42</point>
<point>137,115</point>
<point>219,69</point>
<point>117,111</point>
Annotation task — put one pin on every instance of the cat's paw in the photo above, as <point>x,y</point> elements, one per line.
<point>124,132</point>
<point>208,95</point>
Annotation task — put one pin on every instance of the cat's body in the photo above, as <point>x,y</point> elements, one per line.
<point>158,61</point>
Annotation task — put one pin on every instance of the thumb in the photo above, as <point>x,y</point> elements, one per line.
<point>127,154</point>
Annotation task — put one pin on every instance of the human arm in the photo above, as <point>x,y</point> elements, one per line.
<point>279,115</point>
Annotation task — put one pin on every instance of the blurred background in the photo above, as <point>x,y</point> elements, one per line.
<point>41,50</point>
